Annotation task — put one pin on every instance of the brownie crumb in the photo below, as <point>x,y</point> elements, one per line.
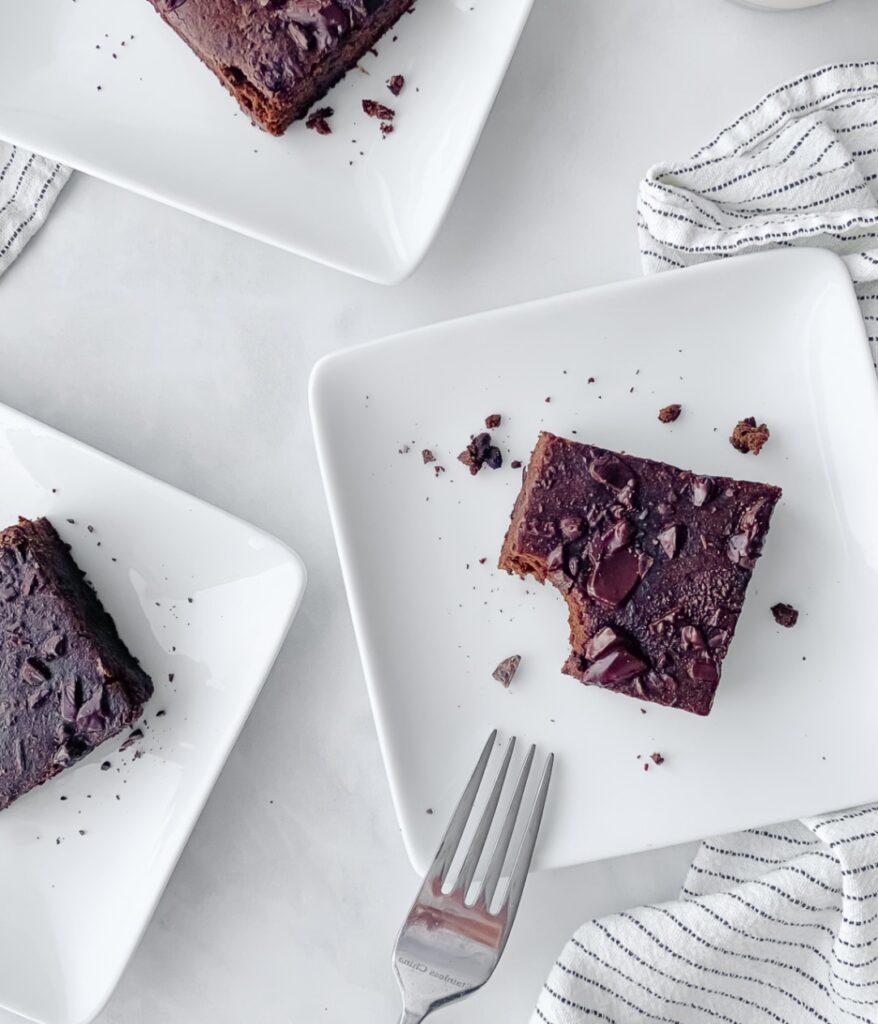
<point>429,810</point>
<point>507,668</point>
<point>395,84</point>
<point>516,463</point>
<point>386,128</point>
<point>438,469</point>
<point>590,380</point>
<point>785,615</point>
<point>133,737</point>
<point>669,413</point>
<point>427,456</point>
<point>375,109</point>
<point>317,121</point>
<point>657,758</point>
<point>482,561</point>
<point>493,421</point>
<point>643,711</point>
<point>404,450</point>
<point>161,713</point>
<point>548,398</point>
<point>480,452</point>
<point>747,437</point>
<point>106,766</point>
<point>646,766</point>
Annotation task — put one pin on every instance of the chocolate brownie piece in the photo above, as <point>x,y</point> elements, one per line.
<point>277,57</point>
<point>67,681</point>
<point>653,561</point>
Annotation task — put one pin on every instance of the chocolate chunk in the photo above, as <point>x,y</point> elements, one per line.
<point>515,464</point>
<point>745,546</point>
<point>379,110</point>
<point>615,575</point>
<point>657,758</point>
<point>610,470</point>
<point>704,669</point>
<point>71,699</point>
<point>618,666</point>
<point>318,122</point>
<point>691,639</point>
<point>428,456</point>
<point>785,615</point>
<point>480,452</point>
<point>669,413</point>
<point>747,437</point>
<point>395,84</point>
<point>35,672</point>
<point>603,641</point>
<point>507,668</point>
<point>555,559</point>
<point>493,421</point>
<point>91,721</point>
<point>54,646</point>
<point>133,737</point>
<point>702,490</point>
<point>670,539</point>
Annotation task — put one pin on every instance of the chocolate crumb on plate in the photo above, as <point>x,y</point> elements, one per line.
<point>106,766</point>
<point>133,737</point>
<point>429,810</point>
<point>507,668</point>
<point>515,464</point>
<point>318,121</point>
<point>480,452</point>
<point>657,758</point>
<point>493,421</point>
<point>785,614</point>
<point>669,413</point>
<point>590,380</point>
<point>375,109</point>
<point>747,437</point>
<point>386,128</point>
<point>428,456</point>
<point>395,84</point>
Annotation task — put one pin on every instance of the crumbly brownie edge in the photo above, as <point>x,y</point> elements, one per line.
<point>276,113</point>
<point>510,561</point>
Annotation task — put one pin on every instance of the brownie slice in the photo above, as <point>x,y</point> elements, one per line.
<point>277,57</point>
<point>67,681</point>
<point>653,562</point>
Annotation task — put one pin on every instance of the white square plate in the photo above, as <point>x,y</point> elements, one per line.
<point>778,336</point>
<point>74,904</point>
<point>161,124</point>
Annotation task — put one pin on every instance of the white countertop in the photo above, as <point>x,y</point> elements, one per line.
<point>184,350</point>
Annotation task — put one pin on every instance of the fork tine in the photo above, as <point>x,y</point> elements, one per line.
<point>498,858</point>
<point>454,832</point>
<point>468,868</point>
<point>526,850</point>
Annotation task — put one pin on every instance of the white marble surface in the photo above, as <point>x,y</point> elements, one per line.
<point>185,350</point>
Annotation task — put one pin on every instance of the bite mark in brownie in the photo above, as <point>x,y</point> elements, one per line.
<point>653,562</point>
<point>748,437</point>
<point>67,680</point>
<point>278,57</point>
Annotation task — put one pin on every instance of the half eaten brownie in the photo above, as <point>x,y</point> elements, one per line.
<point>277,57</point>
<point>67,681</point>
<point>653,562</point>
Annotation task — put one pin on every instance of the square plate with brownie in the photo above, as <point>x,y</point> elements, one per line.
<point>646,522</point>
<point>121,95</point>
<point>106,764</point>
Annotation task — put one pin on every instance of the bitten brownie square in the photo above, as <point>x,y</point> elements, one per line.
<point>278,57</point>
<point>653,562</point>
<point>67,681</point>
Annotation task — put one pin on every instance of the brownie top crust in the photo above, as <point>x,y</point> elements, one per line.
<point>653,561</point>
<point>271,44</point>
<point>67,681</point>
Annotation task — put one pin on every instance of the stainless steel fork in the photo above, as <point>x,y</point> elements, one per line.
<point>448,946</point>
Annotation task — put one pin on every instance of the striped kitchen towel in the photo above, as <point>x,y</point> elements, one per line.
<point>779,924</point>
<point>800,167</point>
<point>29,185</point>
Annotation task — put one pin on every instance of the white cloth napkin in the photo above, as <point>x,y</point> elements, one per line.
<point>776,925</point>
<point>29,185</point>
